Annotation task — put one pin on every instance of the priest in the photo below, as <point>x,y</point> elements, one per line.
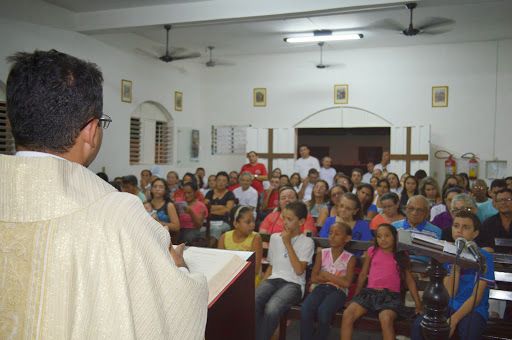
<point>79,260</point>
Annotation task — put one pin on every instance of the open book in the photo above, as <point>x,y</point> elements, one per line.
<point>219,266</point>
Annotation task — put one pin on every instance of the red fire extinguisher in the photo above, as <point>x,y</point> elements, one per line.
<point>472,165</point>
<point>450,166</point>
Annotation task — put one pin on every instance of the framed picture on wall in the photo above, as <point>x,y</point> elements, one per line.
<point>126,91</point>
<point>439,96</point>
<point>178,101</point>
<point>341,94</point>
<point>259,97</point>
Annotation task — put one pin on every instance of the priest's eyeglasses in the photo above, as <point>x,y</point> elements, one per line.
<point>104,121</point>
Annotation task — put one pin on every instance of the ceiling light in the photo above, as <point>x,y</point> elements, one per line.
<point>323,35</point>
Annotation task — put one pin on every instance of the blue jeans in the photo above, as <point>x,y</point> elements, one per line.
<point>478,325</point>
<point>274,297</point>
<point>323,302</point>
<point>217,228</point>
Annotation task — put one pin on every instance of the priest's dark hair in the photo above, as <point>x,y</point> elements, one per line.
<point>50,98</point>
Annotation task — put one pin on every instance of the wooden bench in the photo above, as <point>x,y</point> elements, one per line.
<point>367,322</point>
<point>496,328</point>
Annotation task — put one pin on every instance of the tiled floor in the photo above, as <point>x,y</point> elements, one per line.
<point>293,333</point>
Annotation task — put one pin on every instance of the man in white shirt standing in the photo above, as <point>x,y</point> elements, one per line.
<point>327,172</point>
<point>384,165</point>
<point>245,194</point>
<point>305,162</point>
<point>368,176</point>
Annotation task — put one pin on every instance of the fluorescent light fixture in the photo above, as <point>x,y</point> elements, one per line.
<point>323,35</point>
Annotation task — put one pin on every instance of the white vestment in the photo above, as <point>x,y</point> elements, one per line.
<point>79,260</point>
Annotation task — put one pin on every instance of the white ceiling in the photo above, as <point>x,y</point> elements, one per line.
<point>474,20</point>
<point>80,6</point>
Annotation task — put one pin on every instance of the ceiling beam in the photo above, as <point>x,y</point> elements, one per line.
<point>212,11</point>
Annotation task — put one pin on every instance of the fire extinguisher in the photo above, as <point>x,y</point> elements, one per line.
<point>450,164</point>
<point>472,165</point>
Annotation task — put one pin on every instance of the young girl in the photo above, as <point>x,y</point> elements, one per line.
<point>365,194</point>
<point>410,189</point>
<point>394,183</point>
<point>349,211</point>
<point>332,273</point>
<point>289,253</point>
<point>384,267</point>
<point>243,236</point>
<point>430,189</point>
<point>390,211</point>
<point>165,212</point>
<point>318,202</point>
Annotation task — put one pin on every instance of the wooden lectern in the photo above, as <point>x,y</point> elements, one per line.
<point>435,296</point>
<point>232,314</point>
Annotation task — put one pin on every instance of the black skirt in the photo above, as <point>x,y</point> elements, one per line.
<point>377,300</point>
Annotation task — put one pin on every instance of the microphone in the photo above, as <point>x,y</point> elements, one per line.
<point>475,251</point>
<point>460,243</point>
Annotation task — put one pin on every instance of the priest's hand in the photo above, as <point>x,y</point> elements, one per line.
<point>177,255</point>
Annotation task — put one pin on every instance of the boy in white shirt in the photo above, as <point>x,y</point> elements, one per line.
<point>327,172</point>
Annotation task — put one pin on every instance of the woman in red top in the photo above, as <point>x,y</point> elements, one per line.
<point>274,222</point>
<point>257,169</point>
<point>390,204</point>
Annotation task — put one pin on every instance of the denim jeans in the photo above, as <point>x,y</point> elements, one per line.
<point>322,303</point>
<point>217,228</point>
<point>188,235</point>
<point>274,297</point>
<point>477,322</point>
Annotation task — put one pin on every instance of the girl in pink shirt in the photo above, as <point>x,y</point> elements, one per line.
<point>384,268</point>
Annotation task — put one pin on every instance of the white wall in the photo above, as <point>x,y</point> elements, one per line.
<point>393,82</point>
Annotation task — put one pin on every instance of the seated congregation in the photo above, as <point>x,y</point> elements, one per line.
<point>302,228</point>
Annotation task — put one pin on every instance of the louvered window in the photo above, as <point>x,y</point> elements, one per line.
<point>161,143</point>
<point>6,138</point>
<point>135,134</point>
<point>151,135</point>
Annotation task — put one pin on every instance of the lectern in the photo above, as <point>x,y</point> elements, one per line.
<point>435,296</point>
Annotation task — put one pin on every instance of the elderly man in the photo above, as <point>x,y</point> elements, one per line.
<point>417,217</point>
<point>80,260</point>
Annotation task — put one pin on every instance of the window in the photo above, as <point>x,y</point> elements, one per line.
<point>161,143</point>
<point>151,135</point>
<point>6,138</point>
<point>134,140</point>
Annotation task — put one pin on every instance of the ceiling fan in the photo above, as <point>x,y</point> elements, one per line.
<point>431,27</point>
<point>168,57</point>
<point>321,65</point>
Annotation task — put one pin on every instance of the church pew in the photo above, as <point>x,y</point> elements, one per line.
<point>497,328</point>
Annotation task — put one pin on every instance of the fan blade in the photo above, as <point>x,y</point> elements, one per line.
<point>387,24</point>
<point>434,23</point>
<point>186,56</point>
<point>146,53</point>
